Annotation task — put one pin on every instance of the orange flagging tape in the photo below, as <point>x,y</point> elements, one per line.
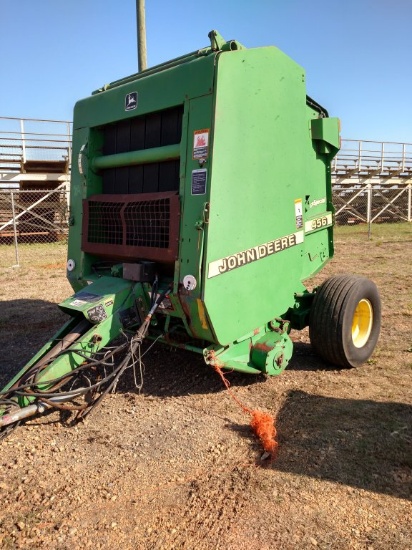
<point>263,424</point>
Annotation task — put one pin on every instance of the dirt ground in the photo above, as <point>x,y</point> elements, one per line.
<point>177,466</point>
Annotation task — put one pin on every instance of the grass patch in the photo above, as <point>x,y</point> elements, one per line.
<point>379,231</point>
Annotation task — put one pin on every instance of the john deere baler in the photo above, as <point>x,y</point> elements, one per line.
<point>200,200</point>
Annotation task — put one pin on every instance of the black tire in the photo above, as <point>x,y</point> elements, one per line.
<point>345,320</point>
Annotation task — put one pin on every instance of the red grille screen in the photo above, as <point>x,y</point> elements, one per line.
<point>137,226</point>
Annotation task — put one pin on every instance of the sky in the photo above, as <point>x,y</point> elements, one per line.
<point>356,53</point>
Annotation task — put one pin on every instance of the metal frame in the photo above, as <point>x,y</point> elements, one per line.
<point>123,250</point>
<point>380,170</point>
<point>10,197</point>
<point>381,204</point>
<point>368,158</point>
<point>34,150</point>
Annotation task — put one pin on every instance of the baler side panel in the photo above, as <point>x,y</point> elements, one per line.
<point>258,173</point>
<point>317,201</point>
<point>195,195</point>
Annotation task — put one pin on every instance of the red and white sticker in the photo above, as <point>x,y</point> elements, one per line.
<point>201,144</point>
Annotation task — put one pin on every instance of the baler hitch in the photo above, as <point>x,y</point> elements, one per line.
<point>80,389</point>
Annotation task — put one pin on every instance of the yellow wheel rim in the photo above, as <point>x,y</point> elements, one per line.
<point>362,323</point>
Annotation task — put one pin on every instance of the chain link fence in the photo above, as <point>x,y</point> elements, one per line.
<point>30,220</point>
<point>371,204</point>
<point>34,183</point>
<point>371,185</point>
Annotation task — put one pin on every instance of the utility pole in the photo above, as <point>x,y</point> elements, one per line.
<point>141,35</point>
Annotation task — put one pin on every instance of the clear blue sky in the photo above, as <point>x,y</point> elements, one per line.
<point>356,53</point>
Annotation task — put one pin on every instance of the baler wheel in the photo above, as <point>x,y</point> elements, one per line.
<point>345,320</point>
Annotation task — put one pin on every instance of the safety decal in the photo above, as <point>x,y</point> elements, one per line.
<point>97,314</point>
<point>299,213</point>
<point>201,144</point>
<point>81,159</point>
<point>77,303</point>
<point>199,178</point>
<point>218,267</point>
<point>86,296</point>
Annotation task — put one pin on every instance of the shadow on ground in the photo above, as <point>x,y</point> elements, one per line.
<point>360,443</point>
<point>305,359</point>
<point>25,326</point>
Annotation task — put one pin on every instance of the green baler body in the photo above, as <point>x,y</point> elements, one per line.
<point>229,137</point>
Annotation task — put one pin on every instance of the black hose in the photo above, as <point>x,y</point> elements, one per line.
<point>97,365</point>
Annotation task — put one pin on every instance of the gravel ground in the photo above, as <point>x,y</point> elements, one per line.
<point>177,466</point>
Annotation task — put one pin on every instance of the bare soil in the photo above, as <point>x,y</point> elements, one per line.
<point>177,466</point>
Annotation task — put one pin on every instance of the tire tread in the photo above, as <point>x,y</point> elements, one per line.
<point>326,324</point>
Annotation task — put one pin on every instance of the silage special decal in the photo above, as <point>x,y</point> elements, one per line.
<point>218,267</point>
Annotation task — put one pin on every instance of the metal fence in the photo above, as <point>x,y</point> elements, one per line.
<point>32,148</point>
<point>371,183</point>
<point>34,183</point>
<point>29,217</point>
<point>372,204</point>
<point>373,158</point>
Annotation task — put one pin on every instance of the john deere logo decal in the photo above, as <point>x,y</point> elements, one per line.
<point>253,254</point>
<point>130,101</point>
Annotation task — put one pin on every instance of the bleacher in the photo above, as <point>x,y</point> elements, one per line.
<point>34,175</point>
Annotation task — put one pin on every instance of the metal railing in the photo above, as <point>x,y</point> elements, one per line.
<point>33,146</point>
<point>34,183</point>
<point>368,158</point>
<point>29,217</point>
<point>372,204</point>
<point>371,183</point>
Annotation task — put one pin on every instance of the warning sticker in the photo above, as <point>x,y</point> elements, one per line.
<point>201,144</point>
<point>97,314</point>
<point>199,178</point>
<point>87,296</point>
<point>78,303</point>
<point>84,297</point>
<point>299,213</point>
